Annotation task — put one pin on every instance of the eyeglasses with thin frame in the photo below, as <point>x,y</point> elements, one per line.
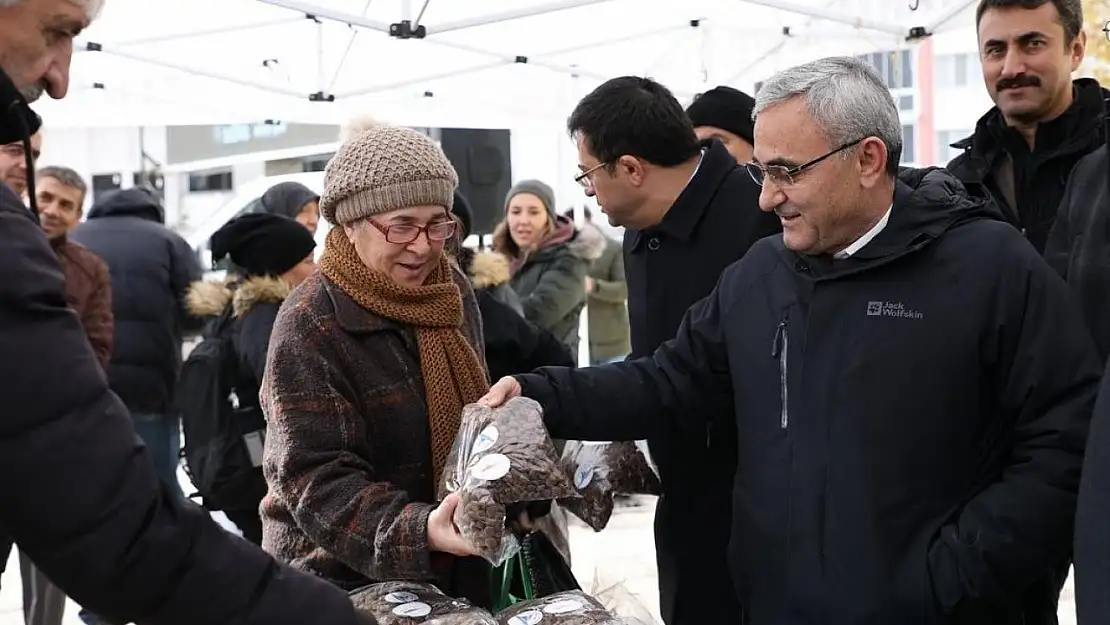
<point>784,176</point>
<point>15,150</point>
<point>584,177</point>
<point>402,234</point>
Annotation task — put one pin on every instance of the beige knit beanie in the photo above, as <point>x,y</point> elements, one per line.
<point>379,168</point>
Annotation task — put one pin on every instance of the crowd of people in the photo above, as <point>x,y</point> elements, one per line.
<point>873,393</point>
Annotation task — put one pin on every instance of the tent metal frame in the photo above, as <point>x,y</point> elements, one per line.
<point>410,27</point>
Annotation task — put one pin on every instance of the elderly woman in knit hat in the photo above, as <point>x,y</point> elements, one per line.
<point>293,200</point>
<point>371,362</point>
<point>270,255</point>
<point>548,258</point>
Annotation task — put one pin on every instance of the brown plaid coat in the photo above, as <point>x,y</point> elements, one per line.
<point>347,456</point>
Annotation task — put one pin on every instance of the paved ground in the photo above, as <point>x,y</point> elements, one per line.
<point>620,555</point>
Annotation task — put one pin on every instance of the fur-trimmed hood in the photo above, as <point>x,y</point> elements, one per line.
<point>208,299</point>
<point>488,269</point>
<point>589,243</point>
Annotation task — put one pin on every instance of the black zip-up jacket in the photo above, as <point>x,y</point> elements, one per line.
<point>1039,176</point>
<point>910,420</point>
<point>668,268</point>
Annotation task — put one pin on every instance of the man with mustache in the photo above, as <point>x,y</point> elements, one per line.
<point>80,494</point>
<point>1043,122</point>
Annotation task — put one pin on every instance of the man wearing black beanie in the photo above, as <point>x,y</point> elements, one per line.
<point>725,114</point>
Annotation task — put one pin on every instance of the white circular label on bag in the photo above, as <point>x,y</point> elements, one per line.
<point>563,606</point>
<point>415,609</point>
<point>583,476</point>
<point>491,467</point>
<point>485,440</point>
<point>401,597</point>
<point>528,617</point>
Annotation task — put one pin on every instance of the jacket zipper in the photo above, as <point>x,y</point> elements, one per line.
<point>780,349</point>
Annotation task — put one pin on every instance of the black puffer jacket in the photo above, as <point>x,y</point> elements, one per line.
<point>151,268</point>
<point>1039,177</point>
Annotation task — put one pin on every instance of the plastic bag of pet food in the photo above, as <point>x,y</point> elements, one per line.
<point>411,603</point>
<point>600,472</point>
<point>501,457</point>
<point>565,608</point>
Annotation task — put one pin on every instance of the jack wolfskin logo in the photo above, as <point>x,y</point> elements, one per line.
<point>891,309</point>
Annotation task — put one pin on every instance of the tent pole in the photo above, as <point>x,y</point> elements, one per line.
<point>329,14</point>
<point>420,15</point>
<point>832,16</point>
<point>204,33</point>
<point>321,80</point>
<point>192,70</point>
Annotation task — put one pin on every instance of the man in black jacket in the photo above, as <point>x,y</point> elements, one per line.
<point>911,382</point>
<point>151,268</point>
<point>690,211</point>
<point>1024,148</point>
<point>79,492</point>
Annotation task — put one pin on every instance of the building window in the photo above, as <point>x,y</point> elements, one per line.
<point>955,70</point>
<point>905,103</point>
<point>215,180</point>
<point>315,163</point>
<point>103,184</point>
<point>909,148</point>
<point>945,139</point>
<point>895,67</point>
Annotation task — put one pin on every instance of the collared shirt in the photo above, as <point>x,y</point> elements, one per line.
<point>866,238</point>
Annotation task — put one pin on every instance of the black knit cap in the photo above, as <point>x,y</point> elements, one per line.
<point>262,244</point>
<point>726,108</point>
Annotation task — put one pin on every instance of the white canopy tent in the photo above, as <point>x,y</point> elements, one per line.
<point>472,63</point>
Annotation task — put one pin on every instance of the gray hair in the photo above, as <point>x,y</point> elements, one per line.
<point>92,7</point>
<point>64,175</point>
<point>847,99</point>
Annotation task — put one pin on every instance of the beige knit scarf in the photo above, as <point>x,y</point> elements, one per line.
<point>452,372</point>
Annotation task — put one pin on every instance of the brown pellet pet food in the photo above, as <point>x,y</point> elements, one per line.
<point>409,603</point>
<point>501,456</point>
<point>602,470</point>
<point>565,608</point>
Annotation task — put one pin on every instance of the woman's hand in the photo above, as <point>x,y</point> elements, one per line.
<point>442,533</point>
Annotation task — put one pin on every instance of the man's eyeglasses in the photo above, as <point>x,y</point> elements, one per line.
<point>15,150</point>
<point>784,176</point>
<point>584,177</point>
<point>407,233</point>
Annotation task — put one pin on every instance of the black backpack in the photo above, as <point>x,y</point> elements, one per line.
<point>224,430</point>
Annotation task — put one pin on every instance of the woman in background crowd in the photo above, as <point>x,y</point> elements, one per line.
<point>372,360</point>
<point>270,255</point>
<point>293,200</point>
<point>512,343</point>
<point>548,258</point>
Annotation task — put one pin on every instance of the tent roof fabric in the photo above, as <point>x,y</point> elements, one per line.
<point>492,63</point>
